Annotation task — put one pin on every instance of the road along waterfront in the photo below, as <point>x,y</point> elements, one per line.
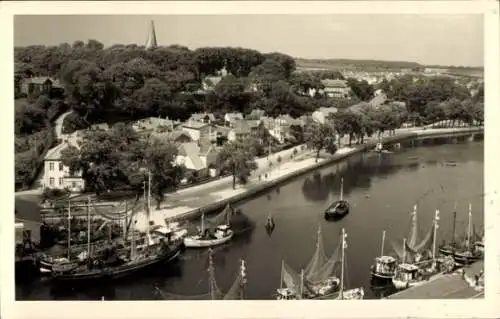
<point>382,189</point>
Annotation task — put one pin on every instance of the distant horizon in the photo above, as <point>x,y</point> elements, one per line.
<point>423,39</point>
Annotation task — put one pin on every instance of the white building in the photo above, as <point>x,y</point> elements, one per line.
<point>323,113</point>
<point>57,175</point>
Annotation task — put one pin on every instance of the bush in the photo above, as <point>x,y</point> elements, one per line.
<point>30,152</point>
<point>73,122</point>
<point>54,193</point>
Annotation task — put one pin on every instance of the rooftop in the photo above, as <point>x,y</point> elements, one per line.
<point>329,83</point>
<point>194,124</point>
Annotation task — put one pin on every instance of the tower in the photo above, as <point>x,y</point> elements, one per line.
<point>151,40</point>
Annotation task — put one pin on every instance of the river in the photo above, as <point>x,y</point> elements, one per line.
<point>382,188</point>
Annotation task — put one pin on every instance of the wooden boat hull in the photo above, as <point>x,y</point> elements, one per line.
<point>382,276</point>
<point>194,242</point>
<point>337,210</point>
<point>462,259</point>
<point>446,251</point>
<point>119,271</point>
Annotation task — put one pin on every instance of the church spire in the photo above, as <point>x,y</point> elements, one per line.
<point>151,41</point>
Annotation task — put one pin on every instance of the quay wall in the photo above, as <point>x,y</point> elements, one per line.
<point>266,185</point>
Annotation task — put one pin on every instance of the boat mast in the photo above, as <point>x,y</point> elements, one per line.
<point>243,273</point>
<point>436,226</point>
<point>344,246</point>
<point>341,188</point>
<point>126,221</point>
<point>404,250</point>
<point>454,225</point>
<point>301,282</point>
<point>202,223</point>
<point>88,227</point>
<point>211,275</point>
<point>69,228</point>
<point>282,268</point>
<point>469,227</point>
<point>383,242</point>
<point>132,246</point>
<point>149,204</point>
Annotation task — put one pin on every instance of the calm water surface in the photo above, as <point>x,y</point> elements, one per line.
<point>382,190</point>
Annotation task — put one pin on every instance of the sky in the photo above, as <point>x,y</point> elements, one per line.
<point>428,39</point>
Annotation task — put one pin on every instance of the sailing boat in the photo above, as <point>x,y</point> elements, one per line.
<point>317,280</point>
<point>123,263</point>
<point>235,292</point>
<point>350,294</point>
<point>68,263</point>
<point>467,254</point>
<point>339,208</point>
<point>208,236</point>
<point>449,249</point>
<point>385,266</point>
<point>412,274</point>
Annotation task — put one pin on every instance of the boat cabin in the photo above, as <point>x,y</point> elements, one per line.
<point>286,294</point>
<point>385,265</point>
<point>407,272</point>
<point>223,230</point>
<point>479,246</point>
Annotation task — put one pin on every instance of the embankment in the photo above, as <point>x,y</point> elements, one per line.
<point>265,185</point>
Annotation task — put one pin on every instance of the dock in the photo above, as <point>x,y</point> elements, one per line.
<point>447,286</point>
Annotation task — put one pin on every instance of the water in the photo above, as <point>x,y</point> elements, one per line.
<point>382,190</point>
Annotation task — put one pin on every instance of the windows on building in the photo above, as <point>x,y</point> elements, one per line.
<point>73,184</point>
<point>51,181</point>
<point>61,166</point>
<point>60,181</point>
<point>51,166</point>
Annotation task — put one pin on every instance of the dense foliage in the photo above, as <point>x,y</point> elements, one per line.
<point>121,158</point>
<point>127,82</point>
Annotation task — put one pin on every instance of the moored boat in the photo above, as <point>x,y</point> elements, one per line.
<point>339,208</point>
<point>235,292</point>
<point>218,233</point>
<point>385,266</point>
<point>468,254</point>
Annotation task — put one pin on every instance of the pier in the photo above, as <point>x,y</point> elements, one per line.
<point>447,286</point>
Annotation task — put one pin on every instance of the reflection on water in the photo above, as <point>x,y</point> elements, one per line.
<point>382,188</point>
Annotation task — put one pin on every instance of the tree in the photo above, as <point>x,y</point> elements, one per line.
<point>320,136</point>
<point>361,89</point>
<point>238,160</point>
<point>297,133</point>
<point>166,175</point>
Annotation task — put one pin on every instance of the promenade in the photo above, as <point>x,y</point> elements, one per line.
<point>188,201</point>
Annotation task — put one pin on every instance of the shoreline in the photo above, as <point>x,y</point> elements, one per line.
<point>286,172</point>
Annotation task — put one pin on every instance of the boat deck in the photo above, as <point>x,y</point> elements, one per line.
<point>449,286</point>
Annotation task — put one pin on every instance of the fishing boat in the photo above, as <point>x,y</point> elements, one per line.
<point>412,273</point>
<point>299,287</point>
<point>349,294</point>
<point>235,292</point>
<point>123,262</point>
<point>449,249</point>
<point>316,280</point>
<point>75,254</point>
<point>385,266</point>
<point>217,234</point>
<point>339,208</point>
<point>467,255</point>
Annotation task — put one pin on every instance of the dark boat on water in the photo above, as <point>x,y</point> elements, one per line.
<point>339,208</point>
<point>118,266</point>
<point>117,263</point>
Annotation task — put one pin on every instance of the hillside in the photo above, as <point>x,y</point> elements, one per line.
<point>367,65</point>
